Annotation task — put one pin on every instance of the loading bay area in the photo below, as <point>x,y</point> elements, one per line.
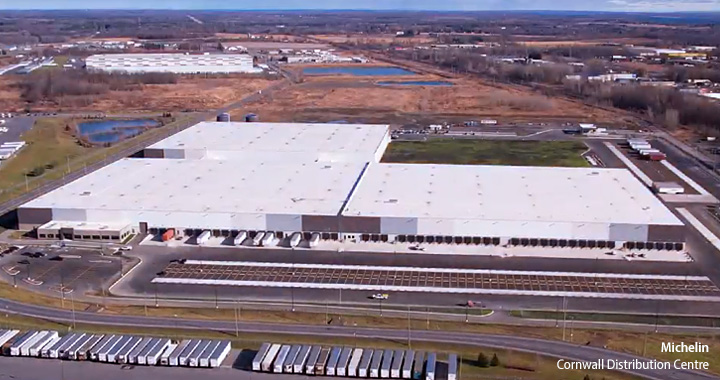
<point>438,280</point>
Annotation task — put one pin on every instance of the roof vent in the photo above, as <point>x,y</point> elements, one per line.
<point>85,193</point>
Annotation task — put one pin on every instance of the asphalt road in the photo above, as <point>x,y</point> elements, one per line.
<point>557,349</point>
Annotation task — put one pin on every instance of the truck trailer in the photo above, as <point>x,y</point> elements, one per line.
<point>301,359</point>
<point>452,367</point>
<point>270,358</point>
<point>155,354</point>
<point>343,362</point>
<point>165,356</point>
<point>203,238</point>
<point>352,369</point>
<point>331,367</point>
<point>363,369</point>
<point>280,358</point>
<point>312,360</point>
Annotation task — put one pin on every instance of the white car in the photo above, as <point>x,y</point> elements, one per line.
<point>380,296</point>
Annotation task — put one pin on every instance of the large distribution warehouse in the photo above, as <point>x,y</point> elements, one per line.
<point>173,63</point>
<point>328,179</point>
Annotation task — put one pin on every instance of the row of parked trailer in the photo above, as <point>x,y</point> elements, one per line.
<point>350,362</point>
<point>110,348</point>
<point>645,150</point>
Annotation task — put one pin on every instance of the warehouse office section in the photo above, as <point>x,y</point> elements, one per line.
<point>327,179</point>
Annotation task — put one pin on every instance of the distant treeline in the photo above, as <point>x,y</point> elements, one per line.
<point>666,106</point>
<point>52,84</point>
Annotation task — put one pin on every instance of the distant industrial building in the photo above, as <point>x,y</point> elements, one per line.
<point>327,180</point>
<point>173,63</point>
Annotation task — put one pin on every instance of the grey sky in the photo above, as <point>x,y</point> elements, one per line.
<point>458,5</point>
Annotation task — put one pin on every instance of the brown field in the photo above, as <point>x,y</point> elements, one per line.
<point>190,93</point>
<point>380,38</point>
<point>264,37</point>
<point>360,100</point>
<point>543,42</point>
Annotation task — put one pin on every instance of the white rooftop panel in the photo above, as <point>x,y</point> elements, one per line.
<point>507,193</point>
<point>208,187</point>
<point>287,141</point>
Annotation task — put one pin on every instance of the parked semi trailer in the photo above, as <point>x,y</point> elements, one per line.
<point>322,362</point>
<point>352,369</point>
<point>363,369</point>
<point>452,367</point>
<point>342,364</point>
<point>154,356</point>
<point>407,368</point>
<point>266,365</point>
<point>301,359</point>
<point>330,368</point>
<point>430,366</point>
<point>396,368</point>
<point>312,360</point>
<point>165,356</point>
<point>280,358</point>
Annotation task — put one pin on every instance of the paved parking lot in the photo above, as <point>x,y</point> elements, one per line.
<point>49,269</point>
<point>436,280</point>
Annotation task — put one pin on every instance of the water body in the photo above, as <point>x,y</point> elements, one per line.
<point>415,83</point>
<point>360,71</point>
<point>111,131</point>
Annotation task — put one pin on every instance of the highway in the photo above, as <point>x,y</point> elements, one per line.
<point>567,351</point>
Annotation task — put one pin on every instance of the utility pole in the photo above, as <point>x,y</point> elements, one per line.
<point>427,315</point>
<point>237,326</point>
<point>72,306</point>
<point>408,323</point>
<point>564,317</point>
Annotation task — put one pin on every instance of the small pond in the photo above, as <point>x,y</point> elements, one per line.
<point>361,71</point>
<point>415,83</point>
<point>111,131</point>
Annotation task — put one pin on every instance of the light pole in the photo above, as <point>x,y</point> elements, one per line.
<point>292,299</point>
<point>408,324</point>
<point>72,307</point>
<point>237,327</point>
<point>564,317</point>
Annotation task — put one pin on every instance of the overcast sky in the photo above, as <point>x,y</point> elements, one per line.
<point>459,5</point>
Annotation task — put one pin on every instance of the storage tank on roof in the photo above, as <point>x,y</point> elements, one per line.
<point>223,117</point>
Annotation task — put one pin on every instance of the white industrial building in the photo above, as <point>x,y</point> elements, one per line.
<point>460,203</point>
<point>328,179</point>
<point>280,142</point>
<point>172,63</point>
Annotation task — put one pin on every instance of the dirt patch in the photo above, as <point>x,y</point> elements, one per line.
<point>363,101</point>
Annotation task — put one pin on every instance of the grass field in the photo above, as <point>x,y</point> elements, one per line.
<point>647,319</point>
<point>487,152</point>
<point>513,365</point>
<point>49,146</point>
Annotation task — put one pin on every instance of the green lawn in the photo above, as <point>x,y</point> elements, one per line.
<point>488,152</point>
<point>647,319</point>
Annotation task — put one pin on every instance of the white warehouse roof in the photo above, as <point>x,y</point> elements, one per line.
<point>507,193</point>
<point>281,142</point>
<point>175,63</point>
<point>190,191</point>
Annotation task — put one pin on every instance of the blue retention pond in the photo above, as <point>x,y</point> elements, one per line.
<point>361,71</point>
<point>415,83</point>
<point>110,131</point>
